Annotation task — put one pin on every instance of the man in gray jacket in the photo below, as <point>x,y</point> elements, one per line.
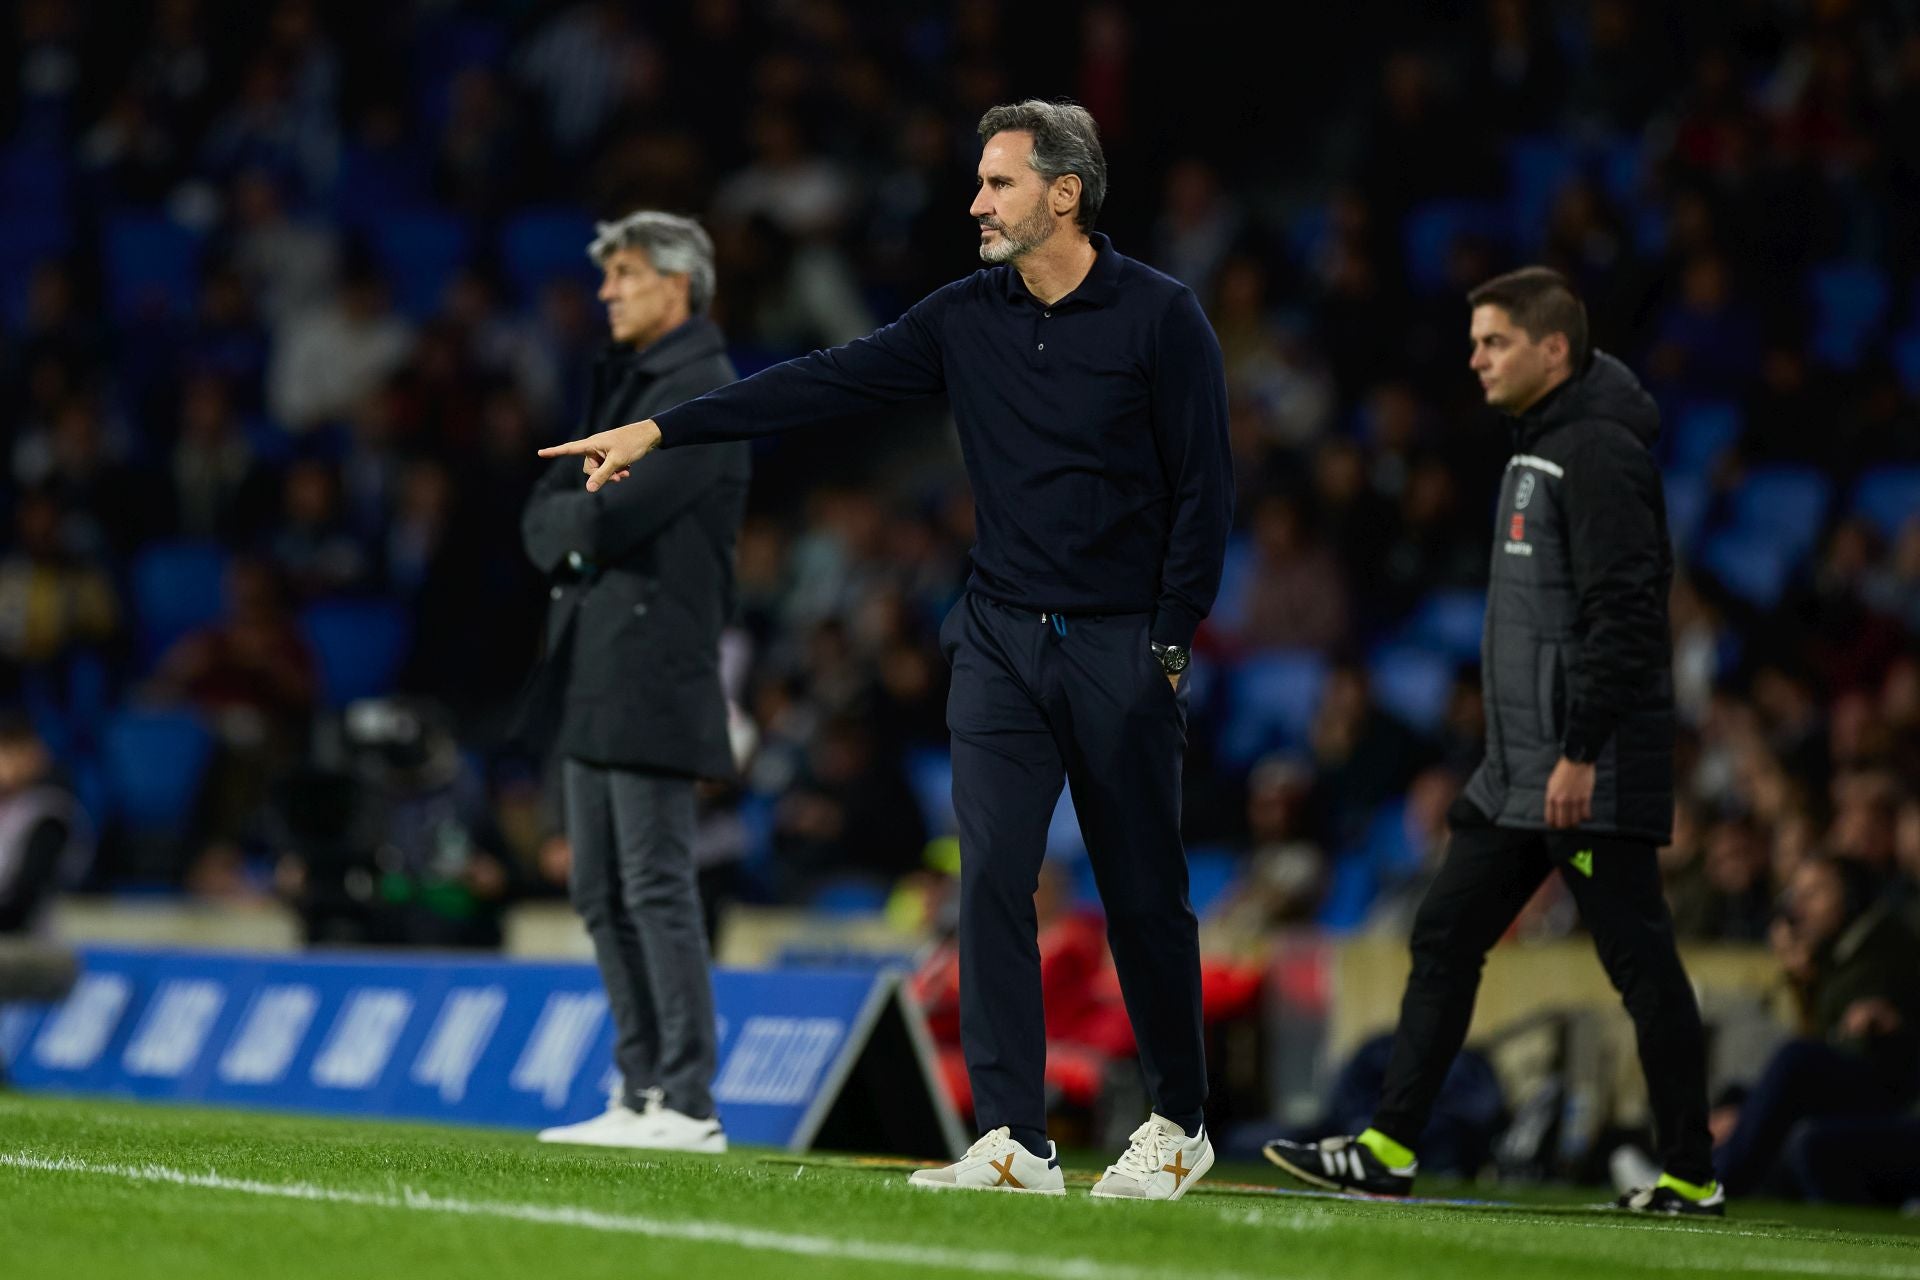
<point>1578,776</point>
<point>641,583</point>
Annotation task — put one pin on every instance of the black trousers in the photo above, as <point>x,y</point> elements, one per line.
<point>1082,699</point>
<point>1489,874</point>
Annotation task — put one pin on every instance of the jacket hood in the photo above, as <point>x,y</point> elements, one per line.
<point>1608,392</point>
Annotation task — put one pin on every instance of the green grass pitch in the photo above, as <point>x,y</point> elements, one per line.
<point>108,1189</point>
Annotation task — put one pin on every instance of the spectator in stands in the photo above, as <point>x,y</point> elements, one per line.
<point>46,841</point>
<point>1855,970</point>
<point>1297,598</point>
<point>252,676</point>
<point>851,813</point>
<point>53,602</point>
<point>1284,874</point>
<point>326,358</point>
<point>312,544</point>
<point>221,489</point>
<point>1726,895</point>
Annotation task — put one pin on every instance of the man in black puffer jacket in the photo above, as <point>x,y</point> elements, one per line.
<point>1578,775</point>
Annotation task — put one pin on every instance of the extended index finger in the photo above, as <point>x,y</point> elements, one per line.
<point>571,449</point>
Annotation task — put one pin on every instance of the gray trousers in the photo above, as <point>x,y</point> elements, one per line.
<point>633,885</point>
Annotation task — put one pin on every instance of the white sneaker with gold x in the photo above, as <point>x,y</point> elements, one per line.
<point>997,1163</point>
<point>1160,1163</point>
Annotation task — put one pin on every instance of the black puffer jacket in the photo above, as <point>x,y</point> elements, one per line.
<point>641,576</point>
<point>1577,657</point>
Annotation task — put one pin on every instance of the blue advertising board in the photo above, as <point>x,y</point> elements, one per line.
<point>476,1041</point>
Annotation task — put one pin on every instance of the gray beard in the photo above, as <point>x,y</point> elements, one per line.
<point>1018,239</point>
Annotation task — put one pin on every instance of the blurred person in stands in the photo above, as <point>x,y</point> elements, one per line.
<point>1297,599</point>
<point>46,842</point>
<point>851,814</point>
<point>313,544</point>
<point>52,603</point>
<point>221,490</point>
<point>252,676</point>
<point>1091,404</point>
<point>1284,874</point>
<point>1854,967</point>
<point>1726,895</point>
<point>1578,777</point>
<point>327,357</point>
<point>641,581</point>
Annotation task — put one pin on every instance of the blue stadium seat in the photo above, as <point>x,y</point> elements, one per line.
<point>154,763</point>
<point>849,896</point>
<point>1211,871</point>
<point>1063,830</point>
<point>1850,303</point>
<point>359,646</point>
<point>1889,497</point>
<point>1686,509</point>
<point>1236,579</point>
<point>1906,360</point>
<point>1539,167</point>
<point>544,244</point>
<point>1413,684</point>
<point>151,261</point>
<point>27,238</point>
<point>1448,622</point>
<point>1623,170</point>
<point>1701,432</point>
<point>1432,229</point>
<point>177,586</point>
<point>420,252</point>
<point>1753,568</point>
<point>373,186</point>
<point>1271,702</point>
<point>930,773</point>
<point>1785,505</point>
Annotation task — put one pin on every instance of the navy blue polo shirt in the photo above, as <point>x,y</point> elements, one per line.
<point>1094,432</point>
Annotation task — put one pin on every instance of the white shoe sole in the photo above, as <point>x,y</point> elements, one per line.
<point>915,1182</point>
<point>1186,1184</point>
<point>718,1148</point>
<point>571,1140</point>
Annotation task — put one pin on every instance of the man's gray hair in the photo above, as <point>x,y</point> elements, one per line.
<point>1065,140</point>
<point>676,246</point>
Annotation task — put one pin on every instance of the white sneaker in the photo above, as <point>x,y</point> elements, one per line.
<point>1631,1169</point>
<point>618,1126</point>
<point>1160,1163</point>
<point>997,1163</point>
<point>671,1130</point>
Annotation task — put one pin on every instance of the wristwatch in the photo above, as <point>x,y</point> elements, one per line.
<point>1173,657</point>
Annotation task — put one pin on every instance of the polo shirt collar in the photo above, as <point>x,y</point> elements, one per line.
<point>1100,287</point>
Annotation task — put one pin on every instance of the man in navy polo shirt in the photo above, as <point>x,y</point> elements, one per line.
<point>1092,411</point>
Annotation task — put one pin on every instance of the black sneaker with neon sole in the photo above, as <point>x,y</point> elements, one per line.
<point>1340,1164</point>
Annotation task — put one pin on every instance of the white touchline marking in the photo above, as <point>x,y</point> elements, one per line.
<point>721,1233</point>
<point>727,1233</point>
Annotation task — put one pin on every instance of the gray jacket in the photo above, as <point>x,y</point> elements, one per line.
<point>1577,656</point>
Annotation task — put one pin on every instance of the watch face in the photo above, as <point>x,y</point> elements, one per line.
<point>1173,660</point>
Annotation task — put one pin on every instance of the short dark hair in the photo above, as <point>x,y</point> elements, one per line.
<point>1541,301</point>
<point>1065,140</point>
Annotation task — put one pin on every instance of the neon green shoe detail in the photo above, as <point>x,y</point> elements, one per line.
<point>1692,1191</point>
<point>1389,1152</point>
<point>1583,863</point>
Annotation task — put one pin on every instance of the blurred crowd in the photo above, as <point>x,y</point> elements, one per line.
<point>349,413</point>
